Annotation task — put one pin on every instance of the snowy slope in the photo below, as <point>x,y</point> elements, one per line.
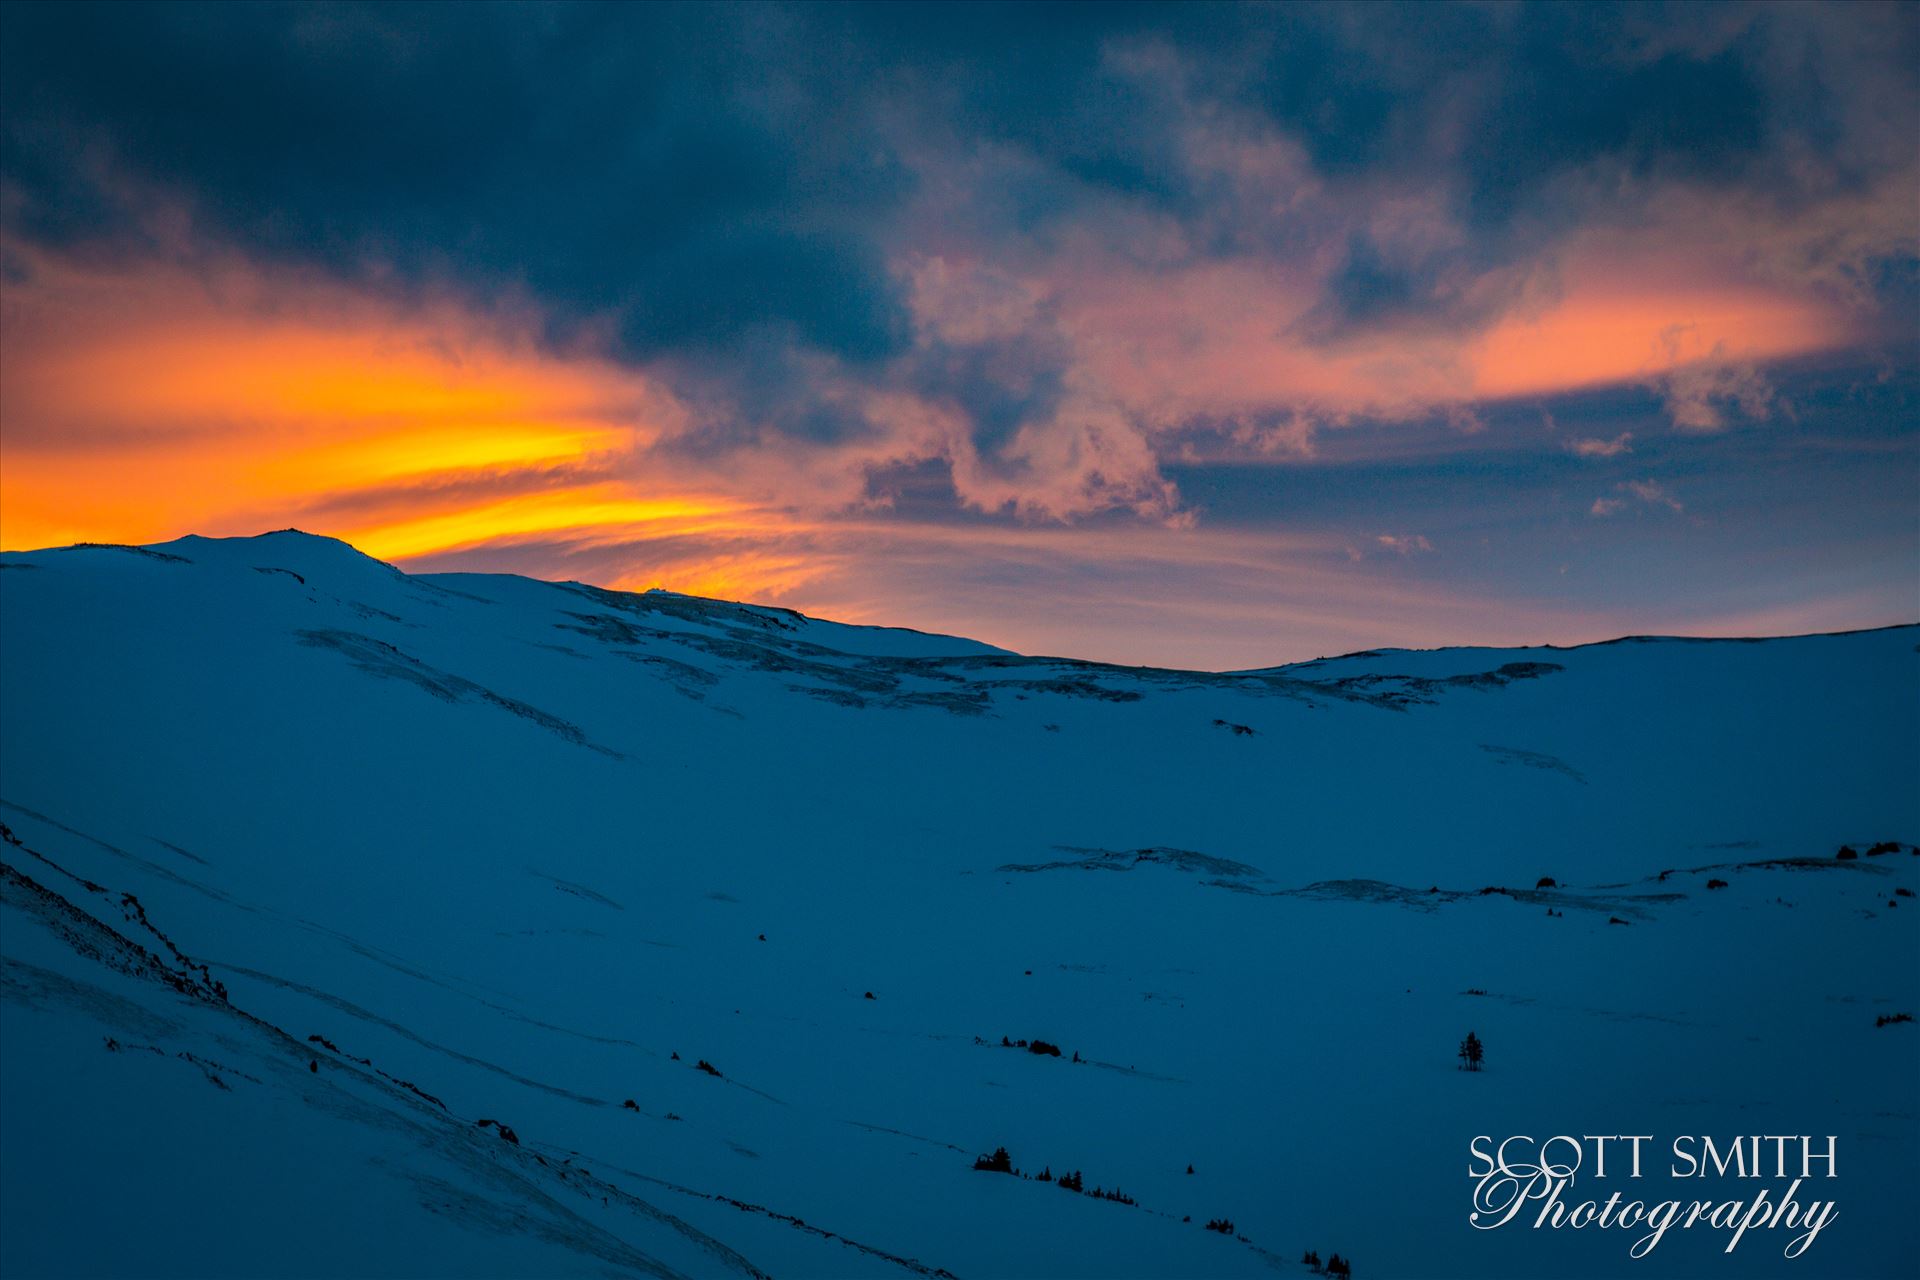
<point>510,847</point>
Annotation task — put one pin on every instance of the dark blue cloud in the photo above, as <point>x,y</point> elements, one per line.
<point>1366,289</point>
<point>640,162</point>
<point>1568,98</point>
<point>707,182</point>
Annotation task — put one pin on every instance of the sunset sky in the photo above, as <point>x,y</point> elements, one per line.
<point>1202,336</point>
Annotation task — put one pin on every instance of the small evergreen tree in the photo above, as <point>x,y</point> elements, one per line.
<point>1471,1053</point>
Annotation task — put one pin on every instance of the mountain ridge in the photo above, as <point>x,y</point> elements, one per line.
<point>292,537</point>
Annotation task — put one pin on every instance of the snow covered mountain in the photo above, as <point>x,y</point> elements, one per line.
<point>358,923</point>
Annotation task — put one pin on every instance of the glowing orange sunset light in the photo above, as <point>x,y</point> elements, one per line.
<point>1634,326</point>
<point>427,449</point>
<point>1227,338</point>
<point>601,511</point>
<point>744,575</point>
<point>141,407</point>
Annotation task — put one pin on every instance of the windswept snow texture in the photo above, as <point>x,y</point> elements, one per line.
<point>358,923</point>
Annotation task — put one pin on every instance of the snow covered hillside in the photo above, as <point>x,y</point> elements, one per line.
<point>360,923</point>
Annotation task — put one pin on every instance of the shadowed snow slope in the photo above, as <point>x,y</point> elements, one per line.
<point>360,923</point>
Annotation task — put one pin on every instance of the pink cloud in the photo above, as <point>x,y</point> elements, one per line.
<point>1699,393</point>
<point>1647,492</point>
<point>1592,448</point>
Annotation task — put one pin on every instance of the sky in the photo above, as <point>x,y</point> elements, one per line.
<point>1192,335</point>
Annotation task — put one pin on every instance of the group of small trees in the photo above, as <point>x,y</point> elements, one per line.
<point>1001,1161</point>
<point>1042,1047</point>
<point>1472,1053</point>
<point>1333,1266</point>
<point>998,1162</point>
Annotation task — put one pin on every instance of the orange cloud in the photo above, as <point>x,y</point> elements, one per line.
<point>1633,319</point>
<point>1149,348</point>
<point>140,405</point>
